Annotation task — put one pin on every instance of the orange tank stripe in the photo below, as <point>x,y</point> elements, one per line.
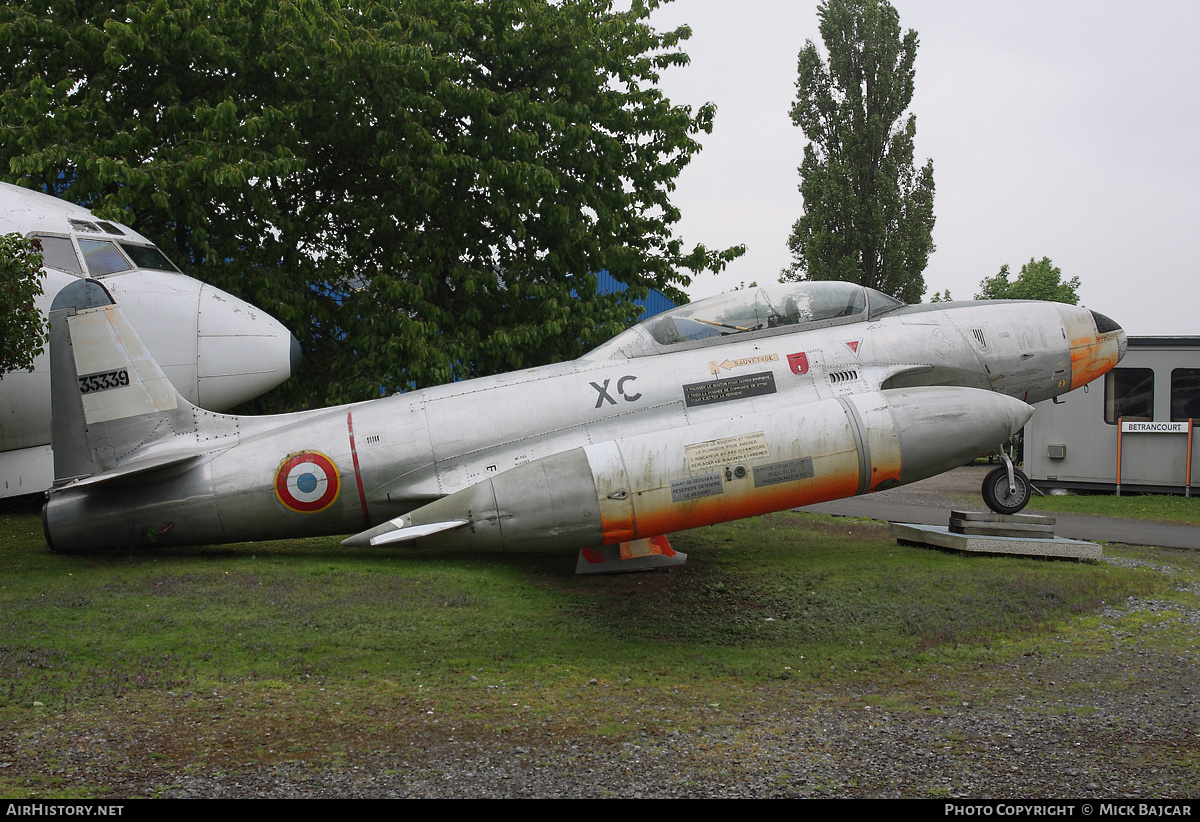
<point>670,517</point>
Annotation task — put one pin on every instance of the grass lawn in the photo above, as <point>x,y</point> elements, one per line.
<point>1161,507</point>
<point>303,650</point>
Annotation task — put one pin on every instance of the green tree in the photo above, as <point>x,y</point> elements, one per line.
<point>419,189</point>
<point>941,297</point>
<point>22,327</point>
<point>1039,280</point>
<point>868,213</point>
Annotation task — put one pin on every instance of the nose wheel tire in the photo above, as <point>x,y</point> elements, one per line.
<point>996,493</point>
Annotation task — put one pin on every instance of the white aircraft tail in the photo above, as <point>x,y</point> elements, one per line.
<point>114,412</point>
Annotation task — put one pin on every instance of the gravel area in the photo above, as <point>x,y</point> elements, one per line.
<point>1125,725</point>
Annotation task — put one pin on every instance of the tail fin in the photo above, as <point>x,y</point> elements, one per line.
<point>109,398</point>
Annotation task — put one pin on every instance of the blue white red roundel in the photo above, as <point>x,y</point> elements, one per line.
<point>307,482</point>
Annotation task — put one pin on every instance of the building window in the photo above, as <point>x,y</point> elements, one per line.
<point>1185,394</point>
<point>1128,394</point>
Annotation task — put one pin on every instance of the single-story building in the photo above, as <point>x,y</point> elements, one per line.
<point>1132,431</point>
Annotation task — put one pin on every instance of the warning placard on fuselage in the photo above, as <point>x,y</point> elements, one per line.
<point>730,388</point>
<point>774,473</point>
<point>686,488</point>
<point>714,454</point>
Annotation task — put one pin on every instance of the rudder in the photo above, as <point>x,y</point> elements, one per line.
<point>108,396</point>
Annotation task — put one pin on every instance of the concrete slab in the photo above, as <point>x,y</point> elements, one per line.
<point>977,524</point>
<point>940,536</point>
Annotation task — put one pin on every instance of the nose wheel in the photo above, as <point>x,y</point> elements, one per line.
<point>1005,496</point>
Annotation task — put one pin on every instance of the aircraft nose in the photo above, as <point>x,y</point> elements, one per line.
<point>294,357</point>
<point>243,351</point>
<point>1106,325</point>
<point>1096,342</point>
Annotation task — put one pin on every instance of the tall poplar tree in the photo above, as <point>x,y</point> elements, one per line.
<point>868,212</point>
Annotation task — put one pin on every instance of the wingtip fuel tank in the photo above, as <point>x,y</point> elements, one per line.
<point>586,496</point>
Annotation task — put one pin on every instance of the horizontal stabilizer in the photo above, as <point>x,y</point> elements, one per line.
<point>135,469</point>
<point>399,529</point>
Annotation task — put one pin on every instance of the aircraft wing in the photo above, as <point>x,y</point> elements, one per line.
<point>400,529</point>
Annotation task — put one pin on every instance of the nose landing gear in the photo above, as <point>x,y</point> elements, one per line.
<point>1006,489</point>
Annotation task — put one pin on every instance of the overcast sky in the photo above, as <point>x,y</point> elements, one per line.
<point>1059,129</point>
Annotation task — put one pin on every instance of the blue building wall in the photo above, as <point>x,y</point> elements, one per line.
<point>655,303</point>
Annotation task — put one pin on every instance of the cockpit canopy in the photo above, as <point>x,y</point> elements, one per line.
<point>100,256</point>
<point>758,311</point>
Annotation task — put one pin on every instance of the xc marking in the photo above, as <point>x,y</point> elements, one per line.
<point>603,396</point>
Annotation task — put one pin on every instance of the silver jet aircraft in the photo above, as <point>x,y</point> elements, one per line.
<point>742,404</point>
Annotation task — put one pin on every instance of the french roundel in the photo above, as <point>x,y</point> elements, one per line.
<point>307,482</point>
